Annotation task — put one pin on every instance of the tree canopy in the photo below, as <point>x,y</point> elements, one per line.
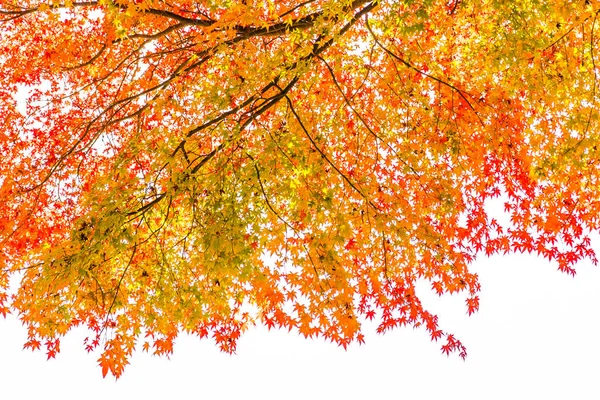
<point>201,166</point>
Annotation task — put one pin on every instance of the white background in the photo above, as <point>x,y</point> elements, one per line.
<point>535,337</point>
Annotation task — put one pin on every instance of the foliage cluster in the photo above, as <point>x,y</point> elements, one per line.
<point>200,166</point>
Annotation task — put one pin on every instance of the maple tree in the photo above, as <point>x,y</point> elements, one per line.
<point>201,166</point>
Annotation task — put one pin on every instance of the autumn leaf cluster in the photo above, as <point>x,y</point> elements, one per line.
<point>200,167</point>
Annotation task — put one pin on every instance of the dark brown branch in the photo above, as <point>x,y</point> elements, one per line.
<point>409,65</point>
<point>347,101</point>
<point>286,223</point>
<point>118,288</point>
<point>325,157</point>
<point>263,107</point>
<point>291,10</point>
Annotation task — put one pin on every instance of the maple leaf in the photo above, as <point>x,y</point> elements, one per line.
<point>32,344</point>
<point>472,304</point>
<point>553,223</point>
